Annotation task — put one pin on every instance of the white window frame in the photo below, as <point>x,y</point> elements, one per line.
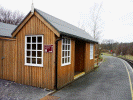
<point>32,64</point>
<point>91,51</point>
<point>66,55</point>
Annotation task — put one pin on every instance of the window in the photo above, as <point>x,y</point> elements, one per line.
<point>34,50</point>
<point>66,52</point>
<point>91,51</point>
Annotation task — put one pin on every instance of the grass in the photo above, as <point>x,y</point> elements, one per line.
<point>95,66</point>
<point>104,60</point>
<point>106,54</point>
<point>126,56</point>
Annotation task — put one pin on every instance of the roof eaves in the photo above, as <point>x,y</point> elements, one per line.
<point>78,37</point>
<point>5,36</point>
<point>47,21</point>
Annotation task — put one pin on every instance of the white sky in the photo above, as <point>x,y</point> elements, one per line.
<point>117,15</point>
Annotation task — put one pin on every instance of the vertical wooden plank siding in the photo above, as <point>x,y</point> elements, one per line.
<point>65,74</point>
<point>8,64</point>
<point>31,75</point>
<point>15,60</point>
<point>1,67</point>
<point>89,64</point>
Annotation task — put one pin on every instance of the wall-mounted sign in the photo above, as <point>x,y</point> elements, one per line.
<point>48,48</point>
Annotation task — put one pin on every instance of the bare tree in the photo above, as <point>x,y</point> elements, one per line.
<point>95,22</point>
<point>81,25</point>
<point>125,49</point>
<point>109,44</point>
<point>7,16</point>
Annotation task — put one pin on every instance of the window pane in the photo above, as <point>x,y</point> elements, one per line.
<point>28,60</point>
<point>39,46</point>
<point>63,40</point>
<point>68,53</point>
<point>33,39</point>
<point>28,39</point>
<point>63,47</point>
<point>62,53</point>
<point>39,60</point>
<point>39,39</point>
<point>65,53</point>
<point>91,51</point>
<point>28,53</point>
<point>66,47</point>
<point>68,41</point>
<point>33,46</point>
<point>33,60</point>
<point>28,46</point>
<point>39,53</point>
<point>33,49</point>
<point>65,60</point>
<point>68,59</point>
<point>33,53</point>
<point>62,60</point>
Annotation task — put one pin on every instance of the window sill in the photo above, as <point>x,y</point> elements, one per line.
<point>34,65</point>
<point>65,64</point>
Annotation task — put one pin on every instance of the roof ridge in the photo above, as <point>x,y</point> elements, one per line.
<point>65,27</point>
<point>60,20</point>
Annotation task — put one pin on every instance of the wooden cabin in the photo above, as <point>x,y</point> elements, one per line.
<point>46,52</point>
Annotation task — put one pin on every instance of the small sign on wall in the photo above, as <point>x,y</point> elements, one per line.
<point>48,48</point>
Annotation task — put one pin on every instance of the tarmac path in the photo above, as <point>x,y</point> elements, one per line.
<point>111,81</point>
<point>10,90</point>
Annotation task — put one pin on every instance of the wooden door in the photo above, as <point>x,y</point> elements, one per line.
<point>7,59</point>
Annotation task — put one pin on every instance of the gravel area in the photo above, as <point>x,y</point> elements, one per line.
<point>10,90</point>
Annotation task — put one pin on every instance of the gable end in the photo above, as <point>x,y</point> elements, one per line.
<point>27,18</point>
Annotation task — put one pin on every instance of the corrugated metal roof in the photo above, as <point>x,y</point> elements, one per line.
<point>66,28</point>
<point>6,29</point>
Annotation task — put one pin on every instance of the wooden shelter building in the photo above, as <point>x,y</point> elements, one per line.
<point>45,52</point>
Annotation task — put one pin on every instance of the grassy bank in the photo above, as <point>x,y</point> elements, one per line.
<point>126,56</point>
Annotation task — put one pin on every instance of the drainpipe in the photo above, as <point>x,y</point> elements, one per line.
<point>56,59</point>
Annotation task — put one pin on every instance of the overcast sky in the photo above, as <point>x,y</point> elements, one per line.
<point>116,15</point>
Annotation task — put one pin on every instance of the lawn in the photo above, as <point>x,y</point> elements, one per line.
<point>107,54</point>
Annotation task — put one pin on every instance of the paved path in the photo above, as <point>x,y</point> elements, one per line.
<point>109,82</point>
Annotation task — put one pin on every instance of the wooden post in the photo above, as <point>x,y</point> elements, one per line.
<point>97,59</point>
